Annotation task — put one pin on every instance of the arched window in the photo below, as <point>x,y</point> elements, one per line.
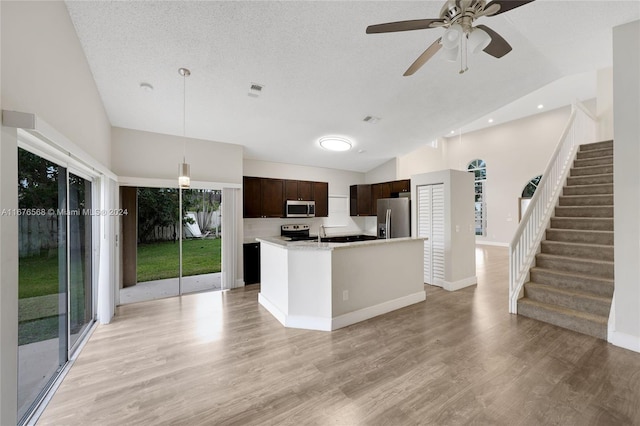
<point>530,187</point>
<point>527,194</point>
<point>479,169</point>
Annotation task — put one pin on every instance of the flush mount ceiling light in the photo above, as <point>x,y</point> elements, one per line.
<point>540,106</point>
<point>335,143</point>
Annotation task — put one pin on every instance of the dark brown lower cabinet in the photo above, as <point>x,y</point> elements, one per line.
<point>251,258</point>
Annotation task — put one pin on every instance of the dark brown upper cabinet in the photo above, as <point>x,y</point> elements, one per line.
<point>299,190</point>
<point>263,197</point>
<point>321,197</point>
<point>401,186</point>
<point>364,198</point>
<point>379,190</point>
<point>360,200</point>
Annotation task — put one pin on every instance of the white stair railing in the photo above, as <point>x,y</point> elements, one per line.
<point>580,129</point>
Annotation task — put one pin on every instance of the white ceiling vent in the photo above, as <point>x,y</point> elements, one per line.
<point>255,90</point>
<point>371,119</point>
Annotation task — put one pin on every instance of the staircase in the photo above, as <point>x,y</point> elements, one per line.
<point>571,285</point>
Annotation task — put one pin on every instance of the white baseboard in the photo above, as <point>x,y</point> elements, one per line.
<point>457,285</point>
<point>491,243</point>
<point>273,310</point>
<point>624,340</point>
<point>329,324</point>
<point>374,311</point>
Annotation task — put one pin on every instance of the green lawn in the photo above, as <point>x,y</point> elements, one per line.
<point>159,261</point>
<point>38,275</point>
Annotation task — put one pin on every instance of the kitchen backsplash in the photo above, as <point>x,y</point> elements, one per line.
<point>255,228</point>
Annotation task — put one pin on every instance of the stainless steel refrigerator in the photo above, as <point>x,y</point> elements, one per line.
<point>394,218</point>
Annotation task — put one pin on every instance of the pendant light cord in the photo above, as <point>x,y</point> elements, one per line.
<point>184,117</point>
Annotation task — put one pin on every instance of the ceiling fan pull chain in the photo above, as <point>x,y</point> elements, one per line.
<point>463,54</point>
<point>466,53</point>
<point>460,52</point>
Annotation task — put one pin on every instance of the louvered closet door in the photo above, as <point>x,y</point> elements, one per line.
<point>431,225</point>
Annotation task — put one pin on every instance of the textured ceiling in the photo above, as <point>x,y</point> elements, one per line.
<point>321,73</point>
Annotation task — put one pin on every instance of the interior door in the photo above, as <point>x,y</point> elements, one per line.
<point>431,225</point>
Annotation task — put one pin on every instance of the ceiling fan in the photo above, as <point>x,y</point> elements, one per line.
<point>457,17</point>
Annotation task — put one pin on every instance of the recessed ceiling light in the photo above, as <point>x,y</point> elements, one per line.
<point>335,143</point>
<point>146,87</point>
<point>491,120</point>
<point>453,131</point>
<point>540,106</point>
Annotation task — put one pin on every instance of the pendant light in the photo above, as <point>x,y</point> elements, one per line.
<point>184,171</point>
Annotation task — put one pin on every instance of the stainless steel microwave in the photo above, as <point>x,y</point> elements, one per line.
<point>298,208</point>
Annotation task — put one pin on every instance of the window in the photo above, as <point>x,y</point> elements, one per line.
<point>531,186</point>
<point>479,170</point>
<point>527,194</point>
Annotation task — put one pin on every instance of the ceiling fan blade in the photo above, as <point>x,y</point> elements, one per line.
<point>416,24</point>
<point>505,5</point>
<point>422,59</point>
<point>498,46</point>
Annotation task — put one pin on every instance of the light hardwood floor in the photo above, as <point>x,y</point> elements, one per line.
<point>458,358</point>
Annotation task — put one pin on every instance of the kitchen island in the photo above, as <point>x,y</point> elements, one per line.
<point>326,286</point>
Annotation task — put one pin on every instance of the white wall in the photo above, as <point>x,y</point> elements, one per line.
<point>625,330</point>
<point>156,156</point>
<point>604,104</point>
<point>514,153</point>
<point>44,71</point>
<point>339,181</point>
<point>423,160</point>
<point>383,173</point>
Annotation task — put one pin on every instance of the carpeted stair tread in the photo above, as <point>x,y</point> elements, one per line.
<point>594,153</point>
<point>593,189</point>
<point>580,236</point>
<point>584,211</point>
<point>583,223</point>
<point>590,179</point>
<point>573,280</point>
<point>596,146</point>
<point>581,322</point>
<point>591,170</point>
<point>568,298</point>
<point>594,161</point>
<point>594,267</point>
<point>578,250</point>
<point>586,200</point>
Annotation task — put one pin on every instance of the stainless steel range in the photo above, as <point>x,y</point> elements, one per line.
<point>297,232</point>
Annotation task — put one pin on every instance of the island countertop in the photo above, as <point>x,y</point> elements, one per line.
<point>284,242</point>
<point>326,286</point>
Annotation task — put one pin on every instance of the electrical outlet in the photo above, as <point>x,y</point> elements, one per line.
<point>345,295</point>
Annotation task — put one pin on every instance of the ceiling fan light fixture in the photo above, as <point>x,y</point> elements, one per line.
<point>451,55</point>
<point>335,143</point>
<point>451,37</point>
<point>478,40</point>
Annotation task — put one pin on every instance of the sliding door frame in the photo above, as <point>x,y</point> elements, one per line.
<point>38,146</point>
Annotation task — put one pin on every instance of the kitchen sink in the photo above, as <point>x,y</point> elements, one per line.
<point>348,238</point>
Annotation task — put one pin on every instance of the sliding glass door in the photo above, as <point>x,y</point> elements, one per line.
<point>80,265</point>
<point>55,304</point>
<point>42,276</point>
